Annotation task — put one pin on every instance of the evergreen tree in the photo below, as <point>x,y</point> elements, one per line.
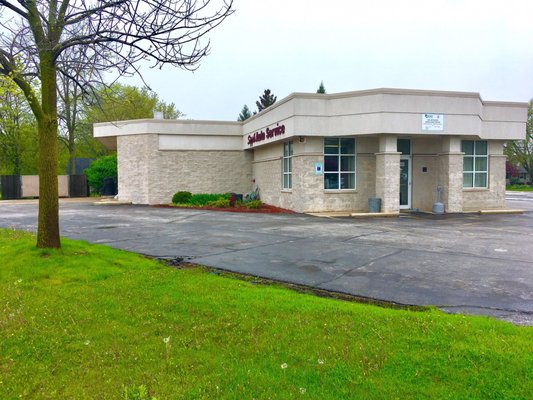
<point>321,88</point>
<point>266,100</point>
<point>245,113</point>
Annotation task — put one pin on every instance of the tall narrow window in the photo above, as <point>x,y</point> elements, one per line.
<point>287,165</point>
<point>475,163</point>
<point>339,163</point>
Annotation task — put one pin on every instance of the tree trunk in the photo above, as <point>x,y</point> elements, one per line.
<point>71,161</point>
<point>16,162</point>
<point>48,228</point>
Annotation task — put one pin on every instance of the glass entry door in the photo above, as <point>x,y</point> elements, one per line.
<point>405,182</point>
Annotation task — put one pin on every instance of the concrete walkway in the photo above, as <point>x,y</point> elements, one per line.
<point>479,264</point>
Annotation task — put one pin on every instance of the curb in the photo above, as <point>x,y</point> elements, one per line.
<point>355,215</point>
<point>509,211</point>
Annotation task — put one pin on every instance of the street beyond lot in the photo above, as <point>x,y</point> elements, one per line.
<point>519,200</point>
<point>475,264</point>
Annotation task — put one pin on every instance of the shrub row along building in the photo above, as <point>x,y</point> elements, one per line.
<point>329,152</point>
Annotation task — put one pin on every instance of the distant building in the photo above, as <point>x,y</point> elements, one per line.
<point>329,152</point>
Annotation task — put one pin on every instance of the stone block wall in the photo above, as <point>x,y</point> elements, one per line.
<point>134,153</point>
<point>308,194</point>
<point>199,172</point>
<point>150,176</point>
<point>451,180</point>
<point>388,181</point>
<point>494,196</point>
<point>147,175</point>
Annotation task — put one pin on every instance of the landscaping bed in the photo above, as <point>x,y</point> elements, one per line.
<point>265,208</point>
<point>224,202</point>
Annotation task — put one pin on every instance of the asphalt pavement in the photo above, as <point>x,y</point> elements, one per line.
<point>470,263</point>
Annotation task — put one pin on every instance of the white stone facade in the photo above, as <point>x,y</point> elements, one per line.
<point>157,158</point>
<point>148,175</point>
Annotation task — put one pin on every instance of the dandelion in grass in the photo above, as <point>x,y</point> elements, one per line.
<point>166,340</point>
<point>320,364</point>
<point>284,366</point>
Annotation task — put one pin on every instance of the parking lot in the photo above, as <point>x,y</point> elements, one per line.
<point>471,263</point>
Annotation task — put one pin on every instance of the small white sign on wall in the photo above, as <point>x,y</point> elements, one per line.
<point>432,122</point>
<point>318,168</point>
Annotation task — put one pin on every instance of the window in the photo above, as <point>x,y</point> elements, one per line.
<point>287,165</point>
<point>475,163</point>
<point>404,146</point>
<point>339,163</point>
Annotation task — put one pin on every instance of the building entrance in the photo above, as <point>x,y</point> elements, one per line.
<point>404,147</point>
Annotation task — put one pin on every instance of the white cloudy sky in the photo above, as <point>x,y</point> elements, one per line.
<point>483,46</point>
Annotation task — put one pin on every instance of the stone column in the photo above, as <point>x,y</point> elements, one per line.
<point>451,174</point>
<point>388,174</point>
<point>497,172</point>
<point>135,154</point>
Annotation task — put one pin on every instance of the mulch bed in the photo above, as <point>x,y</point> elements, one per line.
<point>265,209</point>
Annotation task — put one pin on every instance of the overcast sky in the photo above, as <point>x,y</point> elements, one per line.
<point>483,46</point>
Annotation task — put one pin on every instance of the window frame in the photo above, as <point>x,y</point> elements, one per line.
<point>339,162</point>
<point>286,160</point>
<point>474,171</point>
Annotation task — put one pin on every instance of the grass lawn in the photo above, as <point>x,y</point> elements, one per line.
<point>520,188</point>
<point>89,322</point>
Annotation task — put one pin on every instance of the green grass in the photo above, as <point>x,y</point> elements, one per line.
<point>520,188</point>
<point>89,322</point>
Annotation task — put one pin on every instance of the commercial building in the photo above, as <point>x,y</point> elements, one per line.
<point>329,152</point>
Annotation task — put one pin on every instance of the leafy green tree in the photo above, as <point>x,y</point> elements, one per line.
<point>169,111</point>
<point>113,103</point>
<point>265,100</point>
<point>245,114</point>
<point>520,152</point>
<point>17,128</point>
<point>120,102</point>
<point>321,89</point>
<point>113,35</point>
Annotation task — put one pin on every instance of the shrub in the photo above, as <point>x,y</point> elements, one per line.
<point>103,167</point>
<point>201,199</point>
<point>181,197</point>
<point>254,204</point>
<point>220,203</point>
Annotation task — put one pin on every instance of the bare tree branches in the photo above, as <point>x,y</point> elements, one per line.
<point>83,40</point>
<point>13,8</point>
<point>118,33</point>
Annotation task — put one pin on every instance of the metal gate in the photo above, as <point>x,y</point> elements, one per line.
<point>11,187</point>
<point>77,186</point>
